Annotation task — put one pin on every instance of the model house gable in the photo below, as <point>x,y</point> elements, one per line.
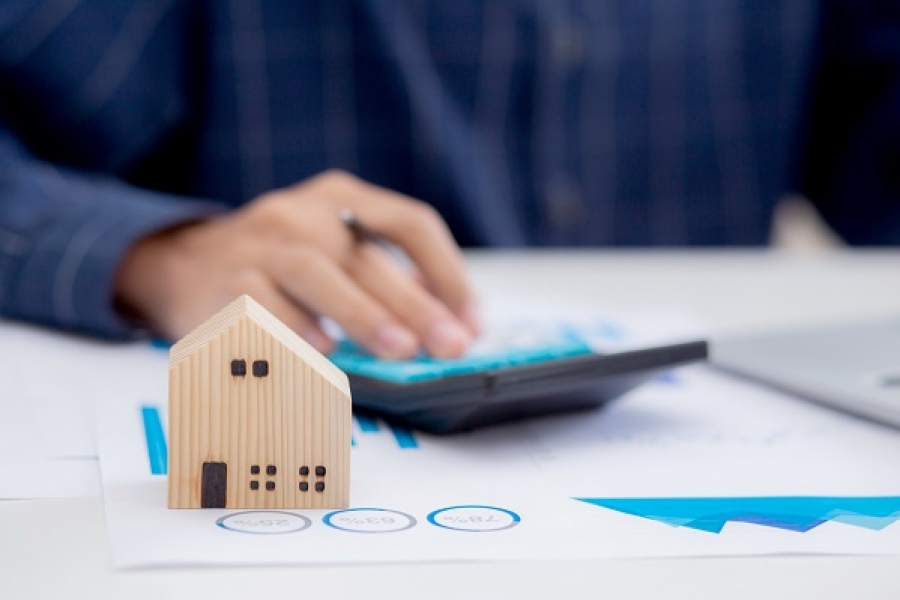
<point>245,307</point>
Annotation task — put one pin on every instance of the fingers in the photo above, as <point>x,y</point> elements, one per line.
<point>438,330</point>
<point>266,292</point>
<point>318,283</point>
<point>417,229</point>
<point>304,324</point>
<point>424,236</point>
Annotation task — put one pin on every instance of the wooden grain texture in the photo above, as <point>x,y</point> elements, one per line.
<point>298,415</point>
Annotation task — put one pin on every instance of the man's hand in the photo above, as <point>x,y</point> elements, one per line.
<point>290,250</point>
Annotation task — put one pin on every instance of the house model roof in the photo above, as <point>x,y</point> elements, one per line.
<point>246,307</point>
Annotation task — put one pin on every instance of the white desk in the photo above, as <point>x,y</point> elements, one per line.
<point>58,548</point>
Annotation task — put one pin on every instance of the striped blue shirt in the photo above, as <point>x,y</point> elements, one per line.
<point>524,122</point>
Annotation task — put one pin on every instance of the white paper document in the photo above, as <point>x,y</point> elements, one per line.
<point>694,464</point>
<point>29,464</point>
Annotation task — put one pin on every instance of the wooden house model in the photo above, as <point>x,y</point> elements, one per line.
<point>258,418</point>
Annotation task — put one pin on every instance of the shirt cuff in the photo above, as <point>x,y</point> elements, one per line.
<point>67,271</point>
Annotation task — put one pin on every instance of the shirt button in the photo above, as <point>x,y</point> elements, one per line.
<point>565,204</point>
<point>568,45</point>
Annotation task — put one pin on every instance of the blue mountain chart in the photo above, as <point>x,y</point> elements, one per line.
<point>794,513</point>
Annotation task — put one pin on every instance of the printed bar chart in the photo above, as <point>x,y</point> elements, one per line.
<point>157,449</point>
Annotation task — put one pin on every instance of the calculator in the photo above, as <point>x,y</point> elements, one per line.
<point>517,373</point>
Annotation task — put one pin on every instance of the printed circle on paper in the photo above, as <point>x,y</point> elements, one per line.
<point>264,522</point>
<point>474,518</point>
<point>369,520</point>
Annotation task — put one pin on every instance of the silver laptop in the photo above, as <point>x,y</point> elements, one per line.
<point>854,368</point>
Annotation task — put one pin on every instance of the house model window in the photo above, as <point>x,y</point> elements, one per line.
<point>265,441</point>
<point>260,368</point>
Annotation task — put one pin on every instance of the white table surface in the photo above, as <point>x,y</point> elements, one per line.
<point>58,548</point>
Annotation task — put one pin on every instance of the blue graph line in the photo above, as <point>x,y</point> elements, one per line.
<point>157,450</point>
<point>366,423</point>
<point>669,377</point>
<point>405,438</point>
<point>160,344</point>
<point>793,513</point>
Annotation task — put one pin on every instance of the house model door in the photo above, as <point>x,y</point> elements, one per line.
<point>213,485</point>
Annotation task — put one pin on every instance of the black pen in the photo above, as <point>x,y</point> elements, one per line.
<point>361,233</point>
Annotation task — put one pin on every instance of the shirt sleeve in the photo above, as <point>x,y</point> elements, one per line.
<point>63,235</point>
